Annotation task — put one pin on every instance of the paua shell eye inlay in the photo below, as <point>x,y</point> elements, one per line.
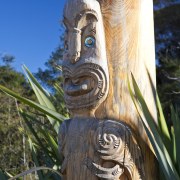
<point>89,41</point>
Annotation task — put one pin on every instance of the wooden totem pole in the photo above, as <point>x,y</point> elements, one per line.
<point>106,40</point>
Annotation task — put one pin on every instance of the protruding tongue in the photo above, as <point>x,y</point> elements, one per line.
<point>75,89</point>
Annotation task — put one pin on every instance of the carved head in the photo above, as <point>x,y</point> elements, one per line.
<point>85,69</point>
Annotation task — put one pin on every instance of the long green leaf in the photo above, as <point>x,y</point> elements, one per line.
<point>42,96</point>
<point>33,79</point>
<point>59,90</point>
<point>163,125</point>
<point>176,124</point>
<point>35,158</point>
<point>163,164</point>
<point>26,118</point>
<point>174,146</point>
<point>53,144</point>
<point>160,150</point>
<point>33,104</point>
<point>168,163</point>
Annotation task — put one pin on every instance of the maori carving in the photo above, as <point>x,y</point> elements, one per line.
<point>103,149</point>
<point>105,40</point>
<point>85,68</point>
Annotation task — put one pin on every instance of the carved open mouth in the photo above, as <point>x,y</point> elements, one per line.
<point>84,86</point>
<point>77,86</point>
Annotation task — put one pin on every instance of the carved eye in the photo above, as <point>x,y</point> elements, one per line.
<point>90,41</point>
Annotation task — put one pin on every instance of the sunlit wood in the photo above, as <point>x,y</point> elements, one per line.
<point>105,41</point>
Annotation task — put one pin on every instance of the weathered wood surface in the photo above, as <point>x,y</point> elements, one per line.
<point>105,41</point>
<point>94,149</point>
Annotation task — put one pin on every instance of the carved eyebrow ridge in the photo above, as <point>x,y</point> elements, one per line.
<point>79,17</point>
<point>92,30</point>
<point>84,13</point>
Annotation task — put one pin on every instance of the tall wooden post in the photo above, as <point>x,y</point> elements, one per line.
<point>106,40</point>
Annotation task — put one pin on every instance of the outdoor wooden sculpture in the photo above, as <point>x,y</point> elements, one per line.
<point>106,40</point>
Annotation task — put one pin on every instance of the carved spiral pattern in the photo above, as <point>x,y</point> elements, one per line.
<point>110,140</point>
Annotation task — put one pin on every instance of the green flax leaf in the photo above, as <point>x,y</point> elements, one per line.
<point>152,132</point>
<point>33,104</point>
<point>42,96</point>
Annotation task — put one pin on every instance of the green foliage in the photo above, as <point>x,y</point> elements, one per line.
<point>168,78</point>
<point>7,59</point>
<point>52,75</point>
<point>42,123</point>
<point>167,18</point>
<point>42,135</point>
<point>3,175</point>
<point>167,36</point>
<point>164,142</point>
<point>14,158</point>
<point>34,170</point>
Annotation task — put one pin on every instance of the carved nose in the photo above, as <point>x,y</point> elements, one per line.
<point>75,45</point>
<point>74,58</point>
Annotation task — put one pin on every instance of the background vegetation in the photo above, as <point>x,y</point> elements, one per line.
<point>19,147</point>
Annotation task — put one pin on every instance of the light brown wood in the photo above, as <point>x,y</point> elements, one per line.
<point>129,36</point>
<point>85,69</point>
<point>105,41</point>
<point>94,149</point>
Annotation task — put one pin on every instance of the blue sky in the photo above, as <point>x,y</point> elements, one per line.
<point>30,30</point>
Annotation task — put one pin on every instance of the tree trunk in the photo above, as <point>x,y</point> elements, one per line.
<point>105,41</point>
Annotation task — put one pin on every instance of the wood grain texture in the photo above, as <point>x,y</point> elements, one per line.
<point>85,70</point>
<point>95,82</point>
<point>94,149</point>
<point>129,31</point>
<point>130,48</point>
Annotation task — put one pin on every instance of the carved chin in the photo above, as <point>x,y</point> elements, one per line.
<point>85,86</point>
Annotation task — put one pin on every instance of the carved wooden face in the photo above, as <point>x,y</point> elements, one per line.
<point>85,70</point>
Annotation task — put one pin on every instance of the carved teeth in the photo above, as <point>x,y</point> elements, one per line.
<point>100,84</point>
<point>100,95</point>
